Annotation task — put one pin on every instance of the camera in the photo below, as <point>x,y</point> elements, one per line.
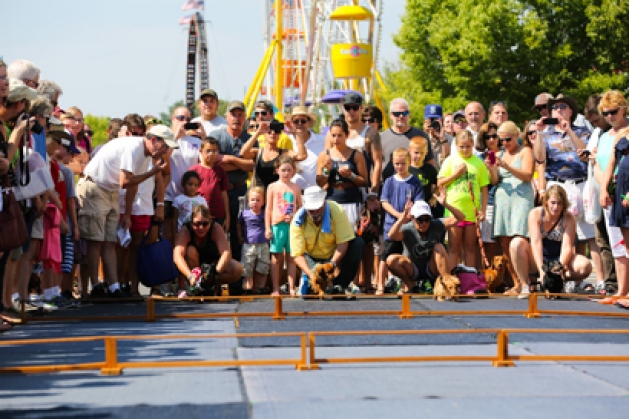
<point>191,125</point>
<point>37,128</point>
<point>276,126</point>
<point>434,124</point>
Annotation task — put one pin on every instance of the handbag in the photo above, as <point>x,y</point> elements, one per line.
<point>38,175</point>
<point>574,198</point>
<point>13,233</point>
<point>155,264</point>
<point>472,281</point>
<point>591,204</point>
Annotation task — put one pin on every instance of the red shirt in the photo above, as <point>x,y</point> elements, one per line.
<point>60,185</point>
<point>213,183</point>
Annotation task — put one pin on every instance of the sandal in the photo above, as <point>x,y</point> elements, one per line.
<point>512,292</point>
<point>624,304</point>
<point>379,292</point>
<point>10,318</point>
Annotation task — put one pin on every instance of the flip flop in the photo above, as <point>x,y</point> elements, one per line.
<point>607,301</point>
<point>10,318</point>
<point>624,304</point>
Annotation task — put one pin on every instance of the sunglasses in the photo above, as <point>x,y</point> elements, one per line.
<point>459,120</point>
<point>560,106</point>
<point>490,136</point>
<point>369,120</point>
<point>540,108</point>
<point>182,118</point>
<point>397,114</point>
<point>351,107</point>
<point>505,140</point>
<point>253,127</point>
<point>424,220</point>
<point>261,113</point>
<point>154,121</point>
<point>612,112</point>
<point>200,223</point>
<point>27,81</point>
<point>300,121</point>
<point>531,132</point>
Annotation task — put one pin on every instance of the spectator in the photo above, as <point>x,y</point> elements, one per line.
<point>40,108</point>
<point>264,113</point>
<point>487,143</point>
<point>265,157</point>
<point>256,259</point>
<point>300,123</point>
<point>475,116</point>
<point>208,105</point>
<point>343,170</point>
<point>448,127</point>
<point>203,241</point>
<point>433,125</point>
<point>426,173</point>
<point>514,197</point>
<point>231,140</point>
<point>4,83</point>
<point>284,200</point>
<point>372,116</point>
<point>51,90</point>
<point>25,71</point>
<point>399,135</point>
<point>498,112</point>
<point>424,238</point>
<point>465,175</point>
<point>552,230</point>
<point>321,233</point>
<point>541,104</point>
<point>74,124</point>
<point>459,123</point>
<point>121,163</point>
<point>214,183</point>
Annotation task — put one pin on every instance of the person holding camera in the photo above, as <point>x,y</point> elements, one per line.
<point>439,141</point>
<point>208,106</point>
<point>265,156</point>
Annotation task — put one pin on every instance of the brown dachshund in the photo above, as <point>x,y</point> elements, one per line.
<point>447,287</point>
<point>494,276</point>
<point>321,278</point>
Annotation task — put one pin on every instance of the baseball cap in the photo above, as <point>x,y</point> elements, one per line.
<point>352,98</point>
<point>542,99</point>
<point>433,111</point>
<point>165,133</point>
<point>313,198</point>
<point>209,92</point>
<point>72,149</point>
<point>236,104</point>
<point>420,208</point>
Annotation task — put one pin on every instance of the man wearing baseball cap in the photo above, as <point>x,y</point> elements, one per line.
<point>423,236</point>
<point>208,105</point>
<point>120,163</point>
<point>433,126</point>
<point>321,233</point>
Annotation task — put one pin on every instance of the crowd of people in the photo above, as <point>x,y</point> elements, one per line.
<point>253,203</point>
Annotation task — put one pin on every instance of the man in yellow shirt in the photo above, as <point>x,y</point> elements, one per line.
<point>264,112</point>
<point>321,233</point>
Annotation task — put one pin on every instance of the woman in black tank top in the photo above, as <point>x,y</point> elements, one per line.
<point>203,241</point>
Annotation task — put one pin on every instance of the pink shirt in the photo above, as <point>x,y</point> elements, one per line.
<point>286,200</point>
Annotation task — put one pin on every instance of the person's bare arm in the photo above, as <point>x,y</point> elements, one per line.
<point>128,179</point>
<point>219,237</point>
<point>181,243</point>
<point>535,225</point>
<point>375,148</point>
<point>231,163</point>
<point>525,174</point>
<point>227,222</point>
<point>71,208</point>
<point>160,195</point>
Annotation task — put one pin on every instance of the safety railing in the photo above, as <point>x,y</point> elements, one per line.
<point>308,359</point>
<point>112,366</point>
<point>279,313</point>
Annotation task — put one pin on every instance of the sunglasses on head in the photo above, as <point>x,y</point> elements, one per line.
<point>400,113</point>
<point>182,118</point>
<point>424,219</point>
<point>612,112</point>
<point>490,136</point>
<point>351,107</point>
<point>561,106</point>
<point>261,113</point>
<point>200,223</point>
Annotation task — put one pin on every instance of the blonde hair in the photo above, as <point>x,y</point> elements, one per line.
<point>612,99</point>
<point>402,152</point>
<point>464,135</point>
<point>419,141</point>
<point>257,189</point>
<point>560,193</point>
<point>201,210</point>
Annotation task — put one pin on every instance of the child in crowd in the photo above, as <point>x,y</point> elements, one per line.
<point>183,204</point>
<point>283,201</point>
<point>396,192</point>
<point>214,183</point>
<point>256,259</point>
<point>464,174</point>
<point>426,173</point>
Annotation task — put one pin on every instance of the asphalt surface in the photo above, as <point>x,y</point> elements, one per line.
<point>366,390</point>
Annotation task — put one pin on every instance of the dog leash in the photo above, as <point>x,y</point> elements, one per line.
<point>478,232</point>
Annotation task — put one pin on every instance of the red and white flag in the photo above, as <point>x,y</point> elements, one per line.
<point>185,20</point>
<point>193,4</point>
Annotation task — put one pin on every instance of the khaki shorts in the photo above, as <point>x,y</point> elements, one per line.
<point>38,228</point>
<point>255,257</point>
<point>99,213</point>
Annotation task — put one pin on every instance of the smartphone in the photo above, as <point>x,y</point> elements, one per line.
<point>434,124</point>
<point>491,155</point>
<point>586,153</point>
<point>409,193</point>
<point>191,125</point>
<point>550,121</point>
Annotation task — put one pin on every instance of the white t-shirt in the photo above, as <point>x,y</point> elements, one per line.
<point>184,205</point>
<point>307,169</point>
<point>217,123</point>
<point>118,154</point>
<point>182,159</point>
<point>143,202</point>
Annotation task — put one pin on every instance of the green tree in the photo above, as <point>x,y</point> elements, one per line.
<point>99,125</point>
<point>485,50</point>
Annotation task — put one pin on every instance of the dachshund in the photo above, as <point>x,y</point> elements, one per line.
<point>494,276</point>
<point>447,287</point>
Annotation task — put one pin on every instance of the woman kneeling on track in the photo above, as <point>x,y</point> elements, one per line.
<point>202,254</point>
<point>552,229</point>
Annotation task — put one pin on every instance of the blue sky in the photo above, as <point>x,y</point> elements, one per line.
<point>113,57</point>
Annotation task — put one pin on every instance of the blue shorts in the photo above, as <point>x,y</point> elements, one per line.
<point>281,238</point>
<point>422,273</point>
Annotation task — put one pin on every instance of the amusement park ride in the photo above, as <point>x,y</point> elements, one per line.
<point>316,50</point>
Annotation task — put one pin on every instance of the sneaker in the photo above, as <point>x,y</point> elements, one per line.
<point>524,294</point>
<point>428,288</point>
<point>28,306</point>
<point>392,285</point>
<point>570,287</point>
<point>353,289</point>
<point>304,285</point>
<point>600,288</point>
<point>182,294</point>
<point>99,290</point>
<point>335,290</point>
<point>117,294</point>
<point>37,302</point>
<point>284,289</point>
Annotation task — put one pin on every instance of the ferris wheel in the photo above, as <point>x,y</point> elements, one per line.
<point>315,50</point>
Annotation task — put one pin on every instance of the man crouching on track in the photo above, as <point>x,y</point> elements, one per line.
<point>423,237</point>
<point>202,254</point>
<point>321,233</point>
